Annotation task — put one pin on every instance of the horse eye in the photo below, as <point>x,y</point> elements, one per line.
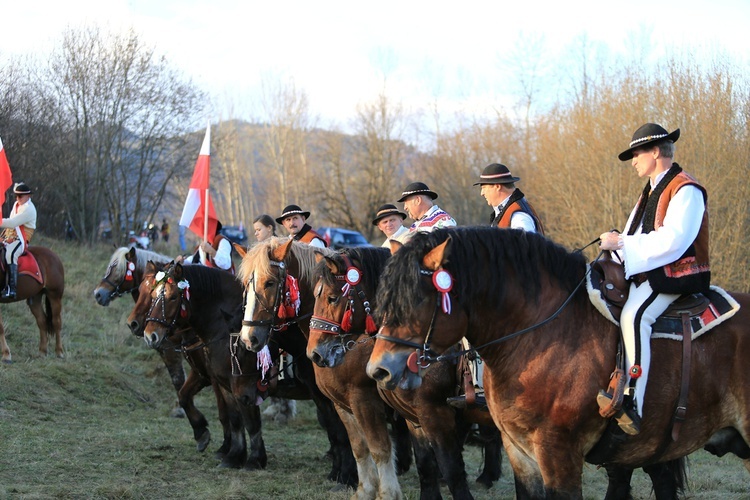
<point>269,284</point>
<point>333,299</point>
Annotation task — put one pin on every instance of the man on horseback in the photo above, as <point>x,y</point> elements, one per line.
<point>390,220</point>
<point>664,250</point>
<point>511,209</point>
<point>216,253</point>
<point>418,203</point>
<point>294,219</point>
<point>19,228</point>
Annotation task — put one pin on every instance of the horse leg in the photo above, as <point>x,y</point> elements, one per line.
<point>192,386</point>
<point>237,453</point>
<point>668,478</point>
<point>618,486</point>
<point>257,458</point>
<point>367,471</point>
<point>3,344</point>
<point>401,442</point>
<point>35,305</point>
<point>223,410</point>
<point>447,444</point>
<point>427,467</point>
<point>526,475</point>
<point>173,361</point>
<point>493,458</point>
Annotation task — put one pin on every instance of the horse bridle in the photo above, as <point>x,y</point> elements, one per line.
<point>116,292</point>
<point>277,301</point>
<point>324,325</point>
<point>169,325</point>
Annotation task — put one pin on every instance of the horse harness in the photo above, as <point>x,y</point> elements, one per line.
<point>281,301</point>
<point>128,276</point>
<point>352,280</point>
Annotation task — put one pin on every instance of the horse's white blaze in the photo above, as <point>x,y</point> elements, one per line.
<point>249,310</point>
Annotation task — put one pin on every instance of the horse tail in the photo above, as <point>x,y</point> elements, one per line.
<point>668,478</point>
<point>48,315</point>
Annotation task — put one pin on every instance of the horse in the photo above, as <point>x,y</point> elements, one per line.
<point>123,276</point>
<point>340,345</point>
<point>45,280</point>
<point>273,272</point>
<point>204,300</point>
<point>500,289</point>
<point>189,346</point>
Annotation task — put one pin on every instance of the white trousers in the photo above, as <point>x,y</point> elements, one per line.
<point>640,311</point>
<point>476,367</point>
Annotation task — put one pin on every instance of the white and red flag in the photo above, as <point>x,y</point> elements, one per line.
<point>6,178</point>
<point>199,215</point>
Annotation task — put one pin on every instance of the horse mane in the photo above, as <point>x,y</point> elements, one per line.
<point>119,259</point>
<point>257,259</point>
<point>371,261</point>
<point>496,259</point>
<point>204,281</point>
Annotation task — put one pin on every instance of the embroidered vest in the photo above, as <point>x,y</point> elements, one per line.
<point>516,203</point>
<point>691,273</point>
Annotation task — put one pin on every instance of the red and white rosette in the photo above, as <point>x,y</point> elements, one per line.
<point>443,281</point>
<point>129,271</point>
<point>353,277</point>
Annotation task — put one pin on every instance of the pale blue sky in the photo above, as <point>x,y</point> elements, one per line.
<point>339,51</point>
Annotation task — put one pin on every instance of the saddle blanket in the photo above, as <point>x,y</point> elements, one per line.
<point>27,265</point>
<point>722,307</point>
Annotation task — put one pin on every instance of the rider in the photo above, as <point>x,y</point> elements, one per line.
<point>664,249</point>
<point>294,220</point>
<point>19,228</point>
<point>511,209</point>
<point>418,203</point>
<point>390,220</point>
<point>217,253</point>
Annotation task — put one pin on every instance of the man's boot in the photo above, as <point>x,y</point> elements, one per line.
<point>9,292</point>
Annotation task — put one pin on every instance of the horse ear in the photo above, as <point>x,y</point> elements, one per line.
<point>177,273</point>
<point>395,246</point>
<point>150,267</point>
<point>131,254</point>
<point>239,249</point>
<point>438,256</point>
<point>280,253</point>
<point>331,265</point>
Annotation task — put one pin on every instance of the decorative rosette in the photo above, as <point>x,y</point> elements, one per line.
<point>129,271</point>
<point>443,281</point>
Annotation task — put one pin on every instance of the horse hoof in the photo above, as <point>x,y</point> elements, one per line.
<point>484,483</point>
<point>7,362</point>
<point>203,441</point>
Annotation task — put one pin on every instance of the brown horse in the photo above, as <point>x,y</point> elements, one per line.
<point>123,275</point>
<point>340,345</point>
<point>47,284</point>
<point>204,300</point>
<point>274,272</point>
<point>185,344</point>
<point>542,378</point>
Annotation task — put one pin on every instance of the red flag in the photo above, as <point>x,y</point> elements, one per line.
<point>199,215</point>
<point>6,178</point>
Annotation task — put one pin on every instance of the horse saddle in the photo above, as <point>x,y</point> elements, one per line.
<point>608,291</point>
<point>27,265</point>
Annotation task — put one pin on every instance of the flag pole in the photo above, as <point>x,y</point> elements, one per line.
<point>208,182</point>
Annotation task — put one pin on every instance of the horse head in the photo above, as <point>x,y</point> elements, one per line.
<point>416,314</point>
<point>120,277</point>
<point>137,318</point>
<point>170,300</point>
<point>342,311</point>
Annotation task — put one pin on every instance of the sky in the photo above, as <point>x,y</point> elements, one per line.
<point>456,55</point>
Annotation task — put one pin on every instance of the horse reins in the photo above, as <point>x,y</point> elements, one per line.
<point>429,356</point>
<point>116,292</point>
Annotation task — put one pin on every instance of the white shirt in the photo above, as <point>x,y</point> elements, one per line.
<point>223,257</point>
<point>401,235</point>
<point>644,252</point>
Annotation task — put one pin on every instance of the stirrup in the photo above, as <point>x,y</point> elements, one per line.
<point>627,418</point>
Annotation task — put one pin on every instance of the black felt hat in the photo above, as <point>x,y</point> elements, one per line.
<point>417,188</point>
<point>21,188</point>
<point>292,210</point>
<point>649,133</point>
<point>385,211</point>
<point>496,173</point>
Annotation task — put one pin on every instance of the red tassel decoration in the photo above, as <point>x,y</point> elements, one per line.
<point>346,322</point>
<point>282,312</point>
<point>370,327</point>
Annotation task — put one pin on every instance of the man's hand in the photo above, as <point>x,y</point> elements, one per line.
<point>610,241</point>
<point>206,247</point>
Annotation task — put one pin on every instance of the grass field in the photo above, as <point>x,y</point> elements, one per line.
<point>96,424</point>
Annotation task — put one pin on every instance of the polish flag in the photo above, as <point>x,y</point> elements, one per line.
<point>6,178</point>
<point>199,215</point>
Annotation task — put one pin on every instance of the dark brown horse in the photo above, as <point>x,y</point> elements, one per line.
<point>204,300</point>
<point>541,378</point>
<point>123,275</point>
<point>340,345</point>
<point>273,272</point>
<point>43,292</point>
<point>184,343</point>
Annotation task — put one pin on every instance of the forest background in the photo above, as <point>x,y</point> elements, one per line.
<point>107,133</point>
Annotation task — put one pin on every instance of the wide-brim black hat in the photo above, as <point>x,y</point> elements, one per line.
<point>417,188</point>
<point>21,188</point>
<point>496,173</point>
<point>291,210</point>
<point>385,211</point>
<point>647,134</point>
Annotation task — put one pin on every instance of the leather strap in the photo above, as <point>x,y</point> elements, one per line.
<point>616,388</point>
<point>680,412</point>
<point>469,393</point>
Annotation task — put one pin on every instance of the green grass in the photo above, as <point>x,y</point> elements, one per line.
<point>96,424</point>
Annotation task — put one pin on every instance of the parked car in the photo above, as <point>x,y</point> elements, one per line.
<point>338,238</point>
<point>235,234</point>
